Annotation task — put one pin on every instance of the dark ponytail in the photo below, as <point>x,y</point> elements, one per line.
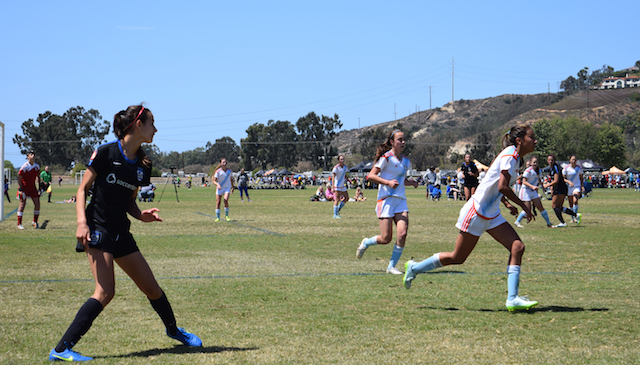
<point>124,120</point>
<point>518,131</point>
<point>386,146</point>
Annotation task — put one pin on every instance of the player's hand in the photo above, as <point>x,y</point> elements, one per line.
<point>150,215</point>
<point>393,183</point>
<point>530,215</point>
<point>513,210</point>
<point>83,234</point>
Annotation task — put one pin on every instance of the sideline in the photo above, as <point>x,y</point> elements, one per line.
<point>215,277</point>
<point>6,216</point>
<point>245,226</point>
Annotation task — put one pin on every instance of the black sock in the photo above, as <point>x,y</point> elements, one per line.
<point>566,210</point>
<point>80,325</point>
<point>558,212</point>
<point>162,306</point>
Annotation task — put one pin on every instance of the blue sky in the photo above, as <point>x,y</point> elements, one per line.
<point>209,69</point>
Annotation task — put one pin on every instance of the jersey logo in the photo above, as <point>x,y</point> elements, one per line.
<point>117,163</point>
<point>140,174</point>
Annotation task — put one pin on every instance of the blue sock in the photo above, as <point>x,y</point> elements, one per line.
<point>335,210</point>
<point>513,281</point>
<point>340,206</point>
<point>545,215</point>
<point>575,208</point>
<point>226,211</point>
<point>429,264</point>
<point>371,241</point>
<point>395,256</point>
<point>218,213</point>
<point>521,216</point>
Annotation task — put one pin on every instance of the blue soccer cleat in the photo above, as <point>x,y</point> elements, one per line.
<point>188,339</point>
<point>67,355</point>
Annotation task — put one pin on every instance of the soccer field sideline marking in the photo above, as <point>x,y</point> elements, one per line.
<point>242,225</point>
<point>200,277</point>
<point>6,216</point>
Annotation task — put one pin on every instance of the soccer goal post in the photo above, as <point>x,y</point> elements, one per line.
<point>2,169</point>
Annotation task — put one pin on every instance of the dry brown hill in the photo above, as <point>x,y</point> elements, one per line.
<point>465,119</point>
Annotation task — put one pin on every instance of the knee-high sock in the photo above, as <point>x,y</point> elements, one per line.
<point>36,214</point>
<point>575,208</point>
<point>545,215</point>
<point>566,210</point>
<point>371,241</point>
<point>217,213</point>
<point>226,211</point>
<point>395,256</point>
<point>335,210</point>
<point>513,281</point>
<point>340,206</point>
<point>558,212</point>
<point>429,264</point>
<point>80,325</point>
<point>163,308</point>
<point>521,216</point>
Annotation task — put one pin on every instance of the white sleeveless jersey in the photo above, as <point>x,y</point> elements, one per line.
<point>392,168</point>
<point>532,177</point>
<point>487,196</point>
<point>339,174</point>
<point>573,175</point>
<point>224,178</point>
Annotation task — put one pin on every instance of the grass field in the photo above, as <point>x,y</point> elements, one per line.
<point>280,284</point>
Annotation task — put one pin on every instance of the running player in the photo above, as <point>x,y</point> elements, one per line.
<point>390,173</point>
<point>115,170</point>
<point>559,192</point>
<point>529,192</point>
<point>223,179</point>
<point>27,176</point>
<point>482,213</point>
<point>573,175</point>
<point>339,174</point>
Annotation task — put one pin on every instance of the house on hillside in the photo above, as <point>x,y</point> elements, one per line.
<point>619,82</point>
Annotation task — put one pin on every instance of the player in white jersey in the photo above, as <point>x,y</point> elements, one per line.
<point>390,173</point>
<point>573,176</point>
<point>339,177</point>
<point>529,192</point>
<point>482,213</point>
<point>223,178</point>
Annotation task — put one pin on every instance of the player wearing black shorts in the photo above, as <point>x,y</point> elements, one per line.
<point>470,176</point>
<point>559,192</point>
<point>115,171</point>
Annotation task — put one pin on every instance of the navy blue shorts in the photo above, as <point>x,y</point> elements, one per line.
<point>118,244</point>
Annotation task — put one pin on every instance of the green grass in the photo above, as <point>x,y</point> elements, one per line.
<point>281,284</point>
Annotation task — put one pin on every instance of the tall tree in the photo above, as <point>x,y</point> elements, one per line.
<point>252,151</point>
<point>224,147</point>
<point>65,139</point>
<point>369,141</point>
<point>281,149</point>
<point>316,133</point>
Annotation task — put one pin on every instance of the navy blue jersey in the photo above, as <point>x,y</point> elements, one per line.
<point>561,187</point>
<point>117,181</point>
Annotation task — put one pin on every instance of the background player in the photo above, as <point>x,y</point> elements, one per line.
<point>573,175</point>
<point>27,176</point>
<point>223,179</point>
<point>339,174</point>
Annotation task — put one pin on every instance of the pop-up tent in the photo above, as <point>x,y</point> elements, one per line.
<point>614,171</point>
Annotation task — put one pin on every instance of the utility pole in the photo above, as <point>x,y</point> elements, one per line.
<point>358,123</point>
<point>394,112</point>
<point>452,66</point>
<point>429,97</point>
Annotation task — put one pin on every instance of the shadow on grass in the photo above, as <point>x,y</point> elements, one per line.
<point>44,224</point>
<point>551,308</point>
<point>179,349</point>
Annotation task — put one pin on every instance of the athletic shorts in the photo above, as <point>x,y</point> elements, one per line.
<point>223,191</point>
<point>527,195</point>
<point>119,244</point>
<point>560,190</point>
<point>341,188</point>
<point>390,206</point>
<point>470,222</point>
<point>575,190</point>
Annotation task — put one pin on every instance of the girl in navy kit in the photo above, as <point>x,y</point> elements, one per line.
<point>116,170</point>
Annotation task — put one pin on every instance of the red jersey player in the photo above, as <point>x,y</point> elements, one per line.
<point>27,176</point>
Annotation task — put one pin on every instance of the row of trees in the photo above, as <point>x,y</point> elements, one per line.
<point>585,79</point>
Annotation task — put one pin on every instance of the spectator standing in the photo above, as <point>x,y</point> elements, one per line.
<point>45,182</point>
<point>243,185</point>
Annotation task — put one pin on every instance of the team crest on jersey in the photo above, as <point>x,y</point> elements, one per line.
<point>140,174</point>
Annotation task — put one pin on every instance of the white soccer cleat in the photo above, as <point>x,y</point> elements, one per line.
<point>394,271</point>
<point>560,225</point>
<point>361,249</point>
<point>517,224</point>
<point>20,226</point>
<point>520,303</point>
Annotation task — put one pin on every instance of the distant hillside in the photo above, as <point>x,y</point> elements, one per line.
<point>465,119</point>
